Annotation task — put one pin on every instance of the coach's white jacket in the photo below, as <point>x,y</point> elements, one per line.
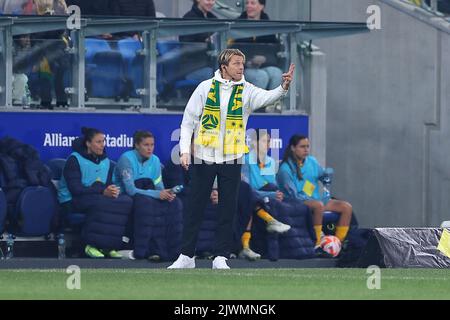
<point>252,99</point>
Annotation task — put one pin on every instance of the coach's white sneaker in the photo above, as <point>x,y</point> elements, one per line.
<point>220,262</point>
<point>183,262</point>
<point>277,227</point>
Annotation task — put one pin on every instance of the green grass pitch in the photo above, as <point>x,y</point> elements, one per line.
<point>235,284</point>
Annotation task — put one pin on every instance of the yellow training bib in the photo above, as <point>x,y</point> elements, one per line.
<point>308,188</point>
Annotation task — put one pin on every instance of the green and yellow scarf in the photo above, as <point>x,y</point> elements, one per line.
<point>209,131</point>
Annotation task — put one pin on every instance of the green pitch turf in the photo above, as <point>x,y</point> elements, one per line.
<point>232,284</point>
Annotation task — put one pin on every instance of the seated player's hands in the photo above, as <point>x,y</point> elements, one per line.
<point>167,195</point>
<point>279,195</point>
<point>214,197</point>
<point>112,191</point>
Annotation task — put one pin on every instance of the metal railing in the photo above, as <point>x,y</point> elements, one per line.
<point>82,72</point>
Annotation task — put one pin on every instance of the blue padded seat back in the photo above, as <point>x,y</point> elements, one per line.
<point>2,179</point>
<point>330,220</point>
<point>134,62</point>
<point>297,243</point>
<point>3,207</point>
<point>56,166</point>
<point>93,46</point>
<point>35,210</point>
<point>129,48</point>
<point>108,74</point>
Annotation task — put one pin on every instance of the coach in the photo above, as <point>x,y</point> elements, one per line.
<point>217,115</point>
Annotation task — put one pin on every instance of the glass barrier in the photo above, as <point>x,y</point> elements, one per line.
<point>113,73</point>
<point>440,7</point>
<point>181,67</point>
<point>149,69</point>
<point>41,70</point>
<point>265,64</point>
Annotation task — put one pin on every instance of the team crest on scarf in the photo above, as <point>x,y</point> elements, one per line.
<point>209,131</point>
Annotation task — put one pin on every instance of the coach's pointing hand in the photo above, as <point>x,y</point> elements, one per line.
<point>288,76</point>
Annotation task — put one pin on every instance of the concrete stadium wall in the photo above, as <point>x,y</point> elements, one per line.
<point>388,114</point>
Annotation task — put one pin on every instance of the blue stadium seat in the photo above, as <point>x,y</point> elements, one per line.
<point>56,167</point>
<point>36,203</point>
<point>94,46</point>
<point>39,205</point>
<point>168,68</point>
<point>105,75</point>
<point>298,242</point>
<point>331,218</point>
<point>108,76</point>
<point>134,62</point>
<point>2,211</point>
<point>73,220</point>
<point>129,48</point>
<point>2,179</point>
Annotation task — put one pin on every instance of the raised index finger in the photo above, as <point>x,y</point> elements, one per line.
<point>291,68</point>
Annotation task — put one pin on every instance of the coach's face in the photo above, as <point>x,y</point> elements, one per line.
<point>235,68</point>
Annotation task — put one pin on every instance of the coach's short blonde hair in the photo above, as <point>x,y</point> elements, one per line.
<point>225,56</point>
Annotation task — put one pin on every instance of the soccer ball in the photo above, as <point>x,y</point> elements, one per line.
<point>331,245</point>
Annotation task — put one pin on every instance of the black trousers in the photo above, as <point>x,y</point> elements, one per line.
<point>202,180</point>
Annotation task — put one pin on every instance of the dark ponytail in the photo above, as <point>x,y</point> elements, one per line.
<point>288,154</point>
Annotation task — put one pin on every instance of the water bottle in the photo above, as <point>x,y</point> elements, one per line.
<point>177,189</point>
<point>9,246</point>
<point>61,247</point>
<point>326,181</point>
<point>326,195</point>
<point>266,201</point>
<point>26,99</point>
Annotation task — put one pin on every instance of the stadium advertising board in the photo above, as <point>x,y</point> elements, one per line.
<point>52,133</point>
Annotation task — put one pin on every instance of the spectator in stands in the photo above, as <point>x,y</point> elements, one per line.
<point>201,9</point>
<point>49,58</point>
<point>21,66</point>
<point>132,8</point>
<point>259,171</point>
<point>17,7</point>
<point>156,209</point>
<point>262,64</point>
<point>50,7</point>
<point>223,104</point>
<point>299,177</point>
<point>86,186</point>
<point>199,63</point>
<point>93,8</point>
